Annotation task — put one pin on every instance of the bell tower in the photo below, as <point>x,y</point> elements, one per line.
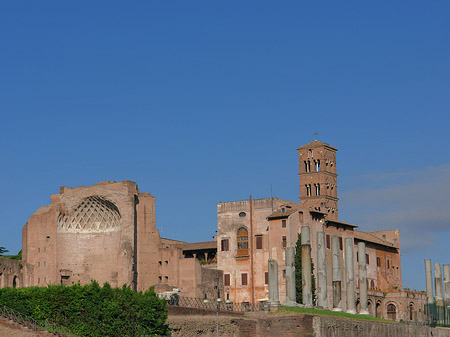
<point>318,178</point>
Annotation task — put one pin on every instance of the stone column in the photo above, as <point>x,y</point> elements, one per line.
<point>429,279</point>
<point>349,276</point>
<point>322,300</point>
<point>290,275</point>
<point>447,285</point>
<point>274,299</point>
<point>336,277</point>
<point>306,267</point>
<point>438,283</point>
<point>362,279</point>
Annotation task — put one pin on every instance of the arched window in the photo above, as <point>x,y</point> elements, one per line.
<point>411,311</point>
<point>242,242</point>
<point>391,312</point>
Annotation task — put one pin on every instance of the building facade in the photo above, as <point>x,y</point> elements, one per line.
<point>107,232</point>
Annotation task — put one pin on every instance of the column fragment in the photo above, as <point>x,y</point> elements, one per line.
<point>306,266</point>
<point>321,271</point>
<point>274,299</point>
<point>290,274</point>
<point>447,285</point>
<point>349,276</point>
<point>429,279</point>
<point>336,277</point>
<point>362,278</point>
<point>438,283</point>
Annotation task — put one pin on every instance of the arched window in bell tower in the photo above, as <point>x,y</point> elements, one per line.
<point>317,186</point>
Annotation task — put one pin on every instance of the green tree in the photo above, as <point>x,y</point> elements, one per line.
<point>298,273</point>
<point>3,250</point>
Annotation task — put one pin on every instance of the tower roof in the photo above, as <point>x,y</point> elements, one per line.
<point>315,144</point>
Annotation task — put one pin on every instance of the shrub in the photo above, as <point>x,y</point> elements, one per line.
<point>91,310</point>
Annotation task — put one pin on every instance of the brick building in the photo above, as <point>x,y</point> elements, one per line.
<point>107,232</point>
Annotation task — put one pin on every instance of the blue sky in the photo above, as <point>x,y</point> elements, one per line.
<point>201,102</point>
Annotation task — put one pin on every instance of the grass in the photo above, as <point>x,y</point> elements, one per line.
<point>298,310</point>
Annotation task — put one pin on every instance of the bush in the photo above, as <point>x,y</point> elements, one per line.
<point>91,310</point>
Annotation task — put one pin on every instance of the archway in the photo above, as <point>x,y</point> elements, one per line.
<point>14,284</point>
<point>411,312</point>
<point>370,307</point>
<point>391,312</point>
<point>378,312</point>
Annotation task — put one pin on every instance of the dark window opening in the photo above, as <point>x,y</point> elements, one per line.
<point>266,278</point>
<point>227,281</point>
<point>225,245</point>
<point>328,242</point>
<point>284,242</point>
<point>259,242</point>
<point>283,223</point>
<point>244,279</point>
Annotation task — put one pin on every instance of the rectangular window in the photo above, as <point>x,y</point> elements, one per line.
<point>259,242</point>
<point>388,264</point>
<point>378,262</point>
<point>357,257</point>
<point>283,223</point>
<point>227,279</point>
<point>284,242</point>
<point>225,245</point>
<point>367,258</point>
<point>244,279</point>
<point>328,242</point>
<point>340,244</point>
<point>266,277</point>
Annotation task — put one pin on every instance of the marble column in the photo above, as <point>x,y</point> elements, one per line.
<point>306,267</point>
<point>336,277</point>
<point>290,275</point>
<point>274,299</point>
<point>364,309</point>
<point>447,285</point>
<point>349,276</point>
<point>438,283</point>
<point>322,300</point>
<point>429,279</point>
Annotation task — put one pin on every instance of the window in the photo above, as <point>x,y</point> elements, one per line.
<point>340,244</point>
<point>388,264</point>
<point>242,242</point>
<point>308,166</point>
<point>284,273</point>
<point>266,277</point>
<point>367,258</point>
<point>225,245</point>
<point>242,215</point>
<point>372,284</point>
<point>283,242</point>
<point>378,262</point>
<point>328,242</point>
<point>160,263</point>
<point>308,190</point>
<point>259,242</point>
<point>244,281</point>
<point>227,279</point>
<point>283,223</point>
<point>391,312</point>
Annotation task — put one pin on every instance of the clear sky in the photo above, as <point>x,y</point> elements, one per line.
<point>207,101</point>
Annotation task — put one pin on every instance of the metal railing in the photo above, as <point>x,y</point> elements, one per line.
<point>33,324</point>
<point>224,306</point>
<point>437,315</point>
